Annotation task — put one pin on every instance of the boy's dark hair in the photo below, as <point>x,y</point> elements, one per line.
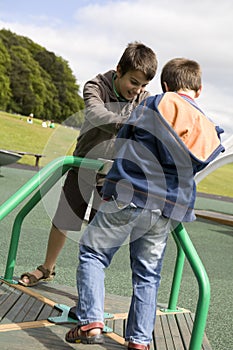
<point>137,56</point>
<point>181,73</point>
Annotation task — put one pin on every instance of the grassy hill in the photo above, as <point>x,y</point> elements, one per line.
<point>16,134</point>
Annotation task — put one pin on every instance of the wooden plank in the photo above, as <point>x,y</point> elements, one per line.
<point>5,295</point>
<point>16,309</point>
<point>6,288</point>
<point>225,219</point>
<point>34,311</point>
<point>25,309</point>
<point>189,322</point>
<point>8,303</point>
<point>159,339</point>
<point>117,338</point>
<point>117,326</point>
<point>24,325</point>
<point>206,344</point>
<point>34,294</point>
<point>175,333</point>
<point>184,330</point>
<point>47,338</point>
<point>47,312</point>
<point>167,333</point>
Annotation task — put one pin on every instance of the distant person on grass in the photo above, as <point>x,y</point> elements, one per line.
<point>109,99</point>
<point>150,186</point>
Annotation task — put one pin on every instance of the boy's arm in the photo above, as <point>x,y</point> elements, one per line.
<point>108,116</point>
<point>96,111</point>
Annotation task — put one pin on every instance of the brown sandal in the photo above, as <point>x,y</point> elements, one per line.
<point>33,280</point>
<point>134,346</point>
<point>80,334</point>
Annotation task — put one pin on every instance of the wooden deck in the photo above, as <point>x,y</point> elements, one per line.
<point>225,219</point>
<point>28,315</point>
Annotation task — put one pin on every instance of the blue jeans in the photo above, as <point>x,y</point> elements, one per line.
<point>147,232</point>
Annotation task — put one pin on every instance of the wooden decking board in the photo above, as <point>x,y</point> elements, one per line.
<point>18,306</point>
<point>21,326</point>
<point>167,332</point>
<point>8,303</point>
<point>189,321</point>
<point>34,311</point>
<point>47,312</point>
<point>33,293</point>
<point>25,309</point>
<point>118,326</point>
<point>53,338</point>
<point>175,332</point>
<point>184,330</point>
<point>4,296</point>
<point>159,339</point>
<point>206,345</point>
<point>17,309</point>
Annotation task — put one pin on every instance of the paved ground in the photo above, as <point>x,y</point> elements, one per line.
<point>212,241</point>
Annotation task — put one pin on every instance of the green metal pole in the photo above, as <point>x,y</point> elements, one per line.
<point>57,168</point>
<point>204,288</point>
<point>44,173</point>
<point>177,277</point>
<point>11,260</point>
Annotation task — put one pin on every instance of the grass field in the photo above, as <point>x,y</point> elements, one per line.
<point>16,134</point>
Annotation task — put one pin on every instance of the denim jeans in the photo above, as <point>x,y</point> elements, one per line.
<point>147,232</point>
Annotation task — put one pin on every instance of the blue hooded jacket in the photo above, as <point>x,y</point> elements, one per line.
<point>166,141</point>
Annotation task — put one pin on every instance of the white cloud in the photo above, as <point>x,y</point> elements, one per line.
<point>94,36</point>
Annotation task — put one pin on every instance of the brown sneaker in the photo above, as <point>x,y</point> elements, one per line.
<point>134,346</point>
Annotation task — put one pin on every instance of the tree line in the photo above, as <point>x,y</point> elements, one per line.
<point>35,80</point>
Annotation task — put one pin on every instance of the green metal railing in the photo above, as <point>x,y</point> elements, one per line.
<point>47,177</point>
<point>186,248</point>
<point>52,173</point>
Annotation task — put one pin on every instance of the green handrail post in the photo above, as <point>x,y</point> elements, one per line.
<point>204,287</point>
<point>10,265</point>
<point>177,277</point>
<point>52,172</point>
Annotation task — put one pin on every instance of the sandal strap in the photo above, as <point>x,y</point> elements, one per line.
<point>46,272</point>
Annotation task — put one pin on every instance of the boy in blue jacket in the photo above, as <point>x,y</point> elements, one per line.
<point>166,140</point>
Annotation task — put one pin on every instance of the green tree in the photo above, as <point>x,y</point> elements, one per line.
<point>5,64</point>
<point>27,85</point>
<point>35,80</point>
<point>64,81</point>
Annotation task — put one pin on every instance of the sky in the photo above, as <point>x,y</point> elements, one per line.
<point>92,35</point>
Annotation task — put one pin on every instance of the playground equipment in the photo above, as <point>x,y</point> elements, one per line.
<point>50,174</point>
<point>8,157</point>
